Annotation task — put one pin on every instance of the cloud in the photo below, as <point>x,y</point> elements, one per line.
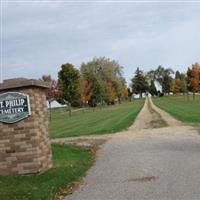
<point>40,37</point>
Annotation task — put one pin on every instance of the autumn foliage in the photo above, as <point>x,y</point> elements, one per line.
<point>101,80</point>
<point>84,89</point>
<point>176,87</point>
<point>52,92</point>
<point>195,78</point>
<point>111,91</point>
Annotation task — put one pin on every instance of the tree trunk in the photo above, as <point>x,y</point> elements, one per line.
<point>70,110</point>
<point>193,95</point>
<point>83,106</point>
<point>101,104</point>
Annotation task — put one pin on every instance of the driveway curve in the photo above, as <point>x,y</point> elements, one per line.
<point>146,163</point>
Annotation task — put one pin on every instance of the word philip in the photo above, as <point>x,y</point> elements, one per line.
<point>12,103</point>
<point>12,106</point>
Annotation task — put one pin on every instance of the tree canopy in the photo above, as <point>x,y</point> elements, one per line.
<point>52,92</point>
<point>68,82</point>
<point>105,78</point>
<point>139,83</point>
<point>101,80</point>
<point>193,78</point>
<point>152,88</point>
<point>163,76</point>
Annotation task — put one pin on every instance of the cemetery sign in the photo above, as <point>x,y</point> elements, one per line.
<point>14,107</point>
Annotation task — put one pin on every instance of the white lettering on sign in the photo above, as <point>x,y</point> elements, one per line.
<point>1,104</point>
<point>13,103</point>
<point>12,111</point>
<point>14,107</point>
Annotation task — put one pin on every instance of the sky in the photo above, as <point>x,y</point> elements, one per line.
<point>37,37</point>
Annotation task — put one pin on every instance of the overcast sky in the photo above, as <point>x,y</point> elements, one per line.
<point>39,36</point>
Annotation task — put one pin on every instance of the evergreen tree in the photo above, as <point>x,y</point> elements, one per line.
<point>68,83</point>
<point>152,89</point>
<point>177,75</point>
<point>188,79</point>
<point>139,84</point>
<point>167,84</point>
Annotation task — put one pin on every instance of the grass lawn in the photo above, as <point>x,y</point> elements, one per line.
<point>69,164</point>
<point>106,120</point>
<point>181,108</point>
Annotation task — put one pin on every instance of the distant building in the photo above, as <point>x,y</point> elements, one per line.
<point>156,83</point>
<point>54,104</point>
<point>158,86</point>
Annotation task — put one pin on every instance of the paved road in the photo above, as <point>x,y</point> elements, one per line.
<point>146,164</point>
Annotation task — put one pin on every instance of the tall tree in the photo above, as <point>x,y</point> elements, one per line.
<point>179,83</point>
<point>176,88</point>
<point>102,74</point>
<point>97,89</point>
<point>195,80</point>
<point>163,76</point>
<point>84,89</point>
<point>183,83</point>
<point>167,84</point>
<point>68,82</point>
<point>188,79</point>
<point>152,88</point>
<point>139,84</point>
<point>177,75</point>
<point>112,95</point>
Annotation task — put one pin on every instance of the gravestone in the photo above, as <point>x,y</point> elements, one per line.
<point>25,146</point>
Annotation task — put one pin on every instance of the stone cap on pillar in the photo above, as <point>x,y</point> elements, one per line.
<point>22,82</point>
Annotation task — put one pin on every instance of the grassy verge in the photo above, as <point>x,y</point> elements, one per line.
<point>69,164</point>
<point>156,121</point>
<point>180,107</point>
<point>107,120</point>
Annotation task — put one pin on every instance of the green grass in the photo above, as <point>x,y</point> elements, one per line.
<point>69,164</point>
<point>158,123</point>
<point>180,107</point>
<point>106,120</point>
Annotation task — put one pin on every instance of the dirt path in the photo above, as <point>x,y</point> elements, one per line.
<point>151,121</point>
<point>145,162</point>
<point>169,126</point>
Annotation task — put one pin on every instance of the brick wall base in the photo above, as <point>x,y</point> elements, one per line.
<point>25,145</point>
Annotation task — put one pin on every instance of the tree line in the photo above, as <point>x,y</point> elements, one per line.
<point>101,81</point>
<point>170,81</point>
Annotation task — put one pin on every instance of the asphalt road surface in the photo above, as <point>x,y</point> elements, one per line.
<point>146,163</point>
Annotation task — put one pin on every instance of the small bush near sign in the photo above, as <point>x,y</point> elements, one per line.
<point>14,107</point>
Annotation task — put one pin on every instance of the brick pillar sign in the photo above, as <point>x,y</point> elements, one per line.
<point>24,139</point>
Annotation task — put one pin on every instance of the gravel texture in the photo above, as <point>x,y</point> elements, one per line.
<point>146,163</point>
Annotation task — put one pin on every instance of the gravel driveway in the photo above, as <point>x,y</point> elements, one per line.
<point>146,163</point>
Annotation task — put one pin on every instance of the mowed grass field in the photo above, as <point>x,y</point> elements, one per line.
<point>69,164</point>
<point>106,120</point>
<point>180,107</point>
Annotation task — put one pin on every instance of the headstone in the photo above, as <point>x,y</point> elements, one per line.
<point>25,147</point>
